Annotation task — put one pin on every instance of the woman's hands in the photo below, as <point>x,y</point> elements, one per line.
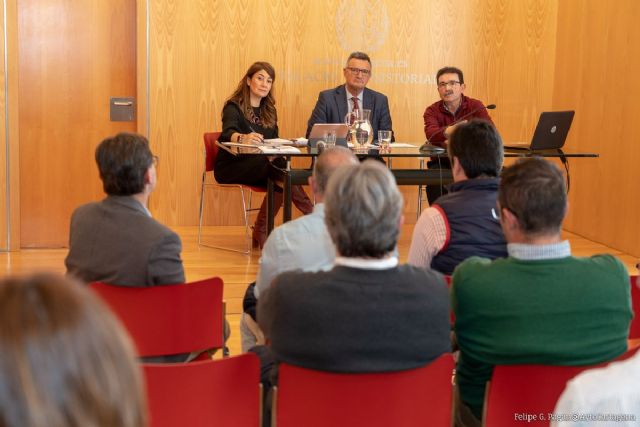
<point>250,138</point>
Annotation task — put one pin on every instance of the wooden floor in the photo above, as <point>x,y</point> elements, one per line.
<point>236,270</point>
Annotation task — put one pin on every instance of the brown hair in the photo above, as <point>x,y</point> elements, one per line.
<point>123,161</point>
<point>450,70</point>
<point>65,361</point>
<point>267,104</point>
<point>534,190</point>
<point>478,147</point>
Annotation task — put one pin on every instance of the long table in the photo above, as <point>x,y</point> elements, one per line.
<point>287,176</point>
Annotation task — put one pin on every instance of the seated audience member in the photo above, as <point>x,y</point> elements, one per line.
<point>116,240</point>
<point>540,305</point>
<point>334,104</point>
<point>462,223</point>
<point>66,360</point>
<point>303,243</point>
<point>610,391</point>
<point>367,314</point>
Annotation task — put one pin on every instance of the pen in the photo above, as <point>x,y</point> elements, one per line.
<point>254,131</point>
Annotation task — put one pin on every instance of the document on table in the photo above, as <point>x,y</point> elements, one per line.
<point>278,141</point>
<point>282,149</point>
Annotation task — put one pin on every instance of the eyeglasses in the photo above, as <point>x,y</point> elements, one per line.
<point>495,212</point>
<point>155,160</point>
<point>362,71</point>
<point>451,83</point>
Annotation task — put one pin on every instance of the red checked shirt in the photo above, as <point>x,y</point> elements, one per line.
<point>437,118</point>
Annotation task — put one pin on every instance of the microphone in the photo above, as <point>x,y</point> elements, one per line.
<point>428,146</point>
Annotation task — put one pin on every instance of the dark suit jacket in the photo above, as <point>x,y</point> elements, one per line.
<point>332,108</point>
<point>117,242</point>
<point>355,320</point>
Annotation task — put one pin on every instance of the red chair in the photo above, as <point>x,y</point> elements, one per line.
<point>528,389</point>
<point>416,397</point>
<point>452,316</point>
<point>211,154</point>
<point>172,319</point>
<point>634,328</point>
<point>223,392</point>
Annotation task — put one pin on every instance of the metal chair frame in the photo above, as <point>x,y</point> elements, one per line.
<point>210,139</point>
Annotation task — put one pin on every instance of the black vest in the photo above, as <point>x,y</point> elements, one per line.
<point>471,227</point>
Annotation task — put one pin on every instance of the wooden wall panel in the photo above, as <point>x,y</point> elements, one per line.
<point>595,71</point>
<point>200,49</point>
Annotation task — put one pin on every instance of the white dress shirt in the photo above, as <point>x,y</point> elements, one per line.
<point>301,244</point>
<point>429,237</point>
<point>608,396</point>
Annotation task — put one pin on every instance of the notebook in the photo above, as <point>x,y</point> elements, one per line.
<point>550,134</point>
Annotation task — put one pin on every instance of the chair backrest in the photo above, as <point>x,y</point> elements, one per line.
<point>171,319</point>
<point>525,389</point>
<point>416,397</point>
<point>634,328</point>
<point>210,149</point>
<point>529,389</point>
<point>222,392</point>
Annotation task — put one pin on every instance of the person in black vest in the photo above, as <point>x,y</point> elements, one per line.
<point>464,222</point>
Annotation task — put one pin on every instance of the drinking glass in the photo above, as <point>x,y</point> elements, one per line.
<point>330,138</point>
<point>384,139</point>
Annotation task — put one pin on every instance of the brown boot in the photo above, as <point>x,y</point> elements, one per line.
<point>301,200</point>
<point>260,226</point>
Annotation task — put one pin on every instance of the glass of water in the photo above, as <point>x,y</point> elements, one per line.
<point>384,139</point>
<point>330,138</point>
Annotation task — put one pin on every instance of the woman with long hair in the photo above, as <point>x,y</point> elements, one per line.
<point>249,116</point>
<point>65,361</point>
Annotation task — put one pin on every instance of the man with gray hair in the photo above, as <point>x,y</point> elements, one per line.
<point>334,104</point>
<point>300,244</point>
<point>367,314</point>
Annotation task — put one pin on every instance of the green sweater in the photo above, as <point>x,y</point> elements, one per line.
<point>564,311</point>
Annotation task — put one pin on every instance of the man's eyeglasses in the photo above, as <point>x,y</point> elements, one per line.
<point>451,83</point>
<point>155,160</point>
<point>362,71</point>
<point>495,212</point>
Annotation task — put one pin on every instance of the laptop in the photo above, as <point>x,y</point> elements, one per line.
<point>550,134</point>
<point>319,130</point>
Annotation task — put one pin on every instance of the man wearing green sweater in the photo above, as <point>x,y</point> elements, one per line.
<point>540,305</point>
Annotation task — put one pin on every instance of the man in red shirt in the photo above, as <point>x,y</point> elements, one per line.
<point>441,117</point>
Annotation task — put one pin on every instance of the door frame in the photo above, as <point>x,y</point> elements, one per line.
<point>10,139</point>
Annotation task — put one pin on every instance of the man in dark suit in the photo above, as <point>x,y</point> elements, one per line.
<point>334,104</point>
<point>367,314</point>
<point>116,240</point>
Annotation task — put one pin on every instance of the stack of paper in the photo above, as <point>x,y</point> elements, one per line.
<point>282,149</point>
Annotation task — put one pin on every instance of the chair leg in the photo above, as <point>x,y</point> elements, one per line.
<point>247,248</point>
<point>247,235</point>
<point>201,208</point>
<point>419,210</point>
